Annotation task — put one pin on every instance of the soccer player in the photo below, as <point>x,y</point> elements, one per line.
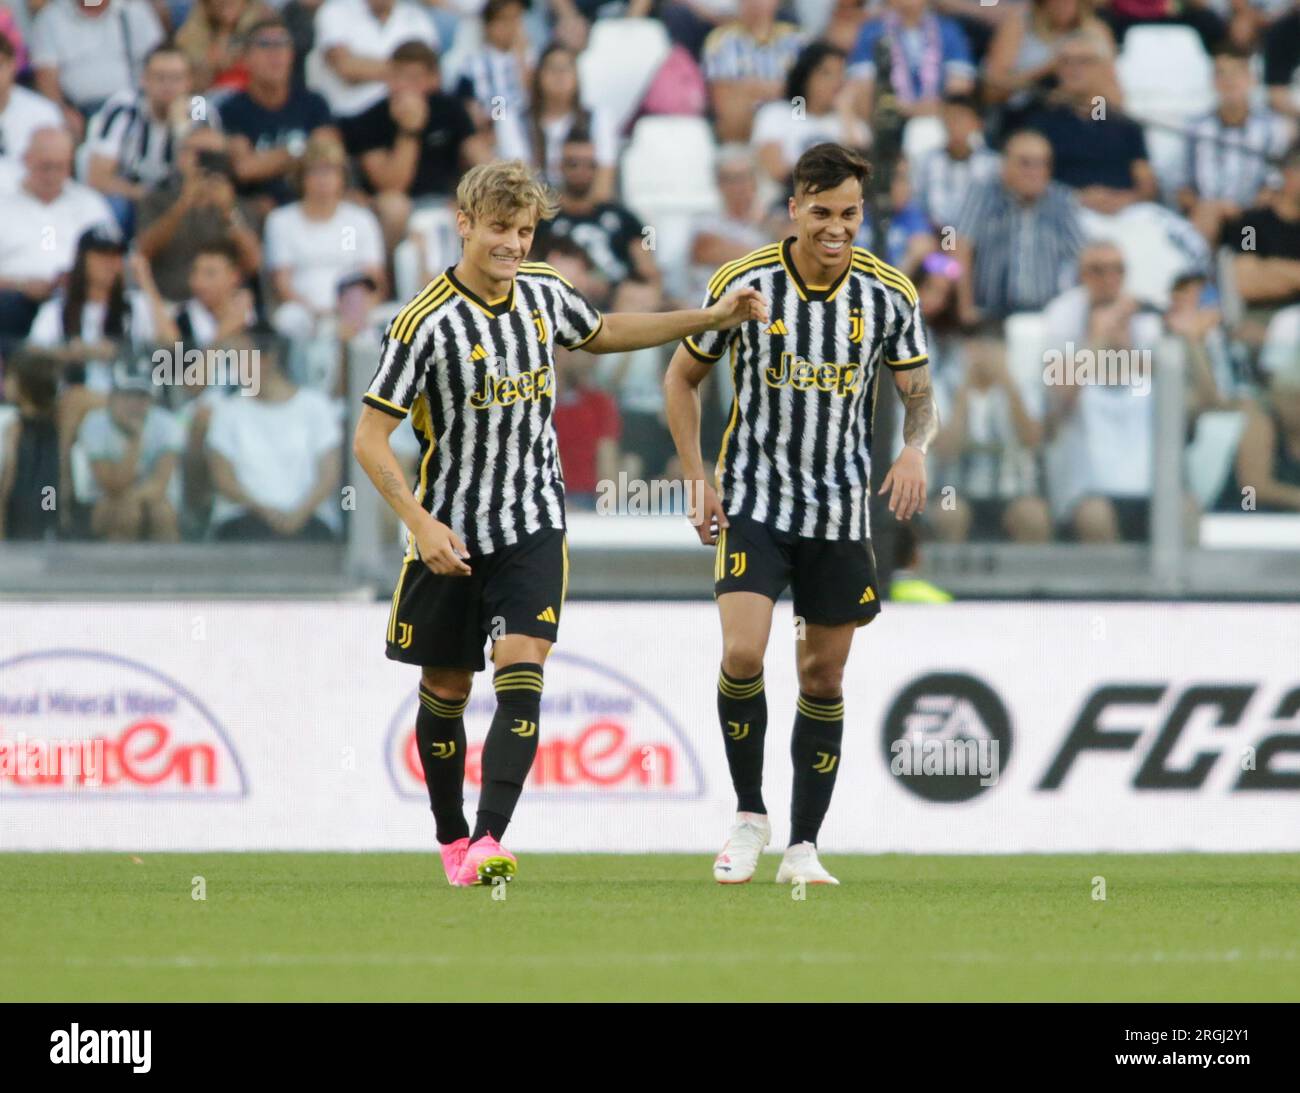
<point>791,505</point>
<point>470,361</point>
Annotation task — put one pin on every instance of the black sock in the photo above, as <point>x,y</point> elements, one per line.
<point>440,734</point>
<point>510,747</point>
<point>742,713</point>
<point>815,749</point>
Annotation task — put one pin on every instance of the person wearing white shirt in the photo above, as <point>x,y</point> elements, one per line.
<point>43,218</point>
<point>354,39</point>
<point>314,243</point>
<point>85,50</point>
<point>276,459</point>
<point>22,112</point>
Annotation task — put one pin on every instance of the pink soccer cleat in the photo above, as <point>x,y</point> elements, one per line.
<point>452,855</point>
<point>485,860</point>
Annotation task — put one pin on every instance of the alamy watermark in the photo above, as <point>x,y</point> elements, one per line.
<point>181,367</point>
<point>1076,367</point>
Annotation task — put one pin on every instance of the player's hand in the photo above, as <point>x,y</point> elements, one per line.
<point>907,479</point>
<point>705,511</point>
<point>441,549</point>
<point>738,306</point>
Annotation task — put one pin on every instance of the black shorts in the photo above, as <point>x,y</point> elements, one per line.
<point>833,580</point>
<point>441,621</point>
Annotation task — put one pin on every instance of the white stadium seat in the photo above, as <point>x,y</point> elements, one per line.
<point>921,136</point>
<point>668,165</point>
<point>1165,74</point>
<point>620,61</point>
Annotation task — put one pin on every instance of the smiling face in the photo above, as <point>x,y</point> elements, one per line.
<point>826,221</point>
<point>497,241</point>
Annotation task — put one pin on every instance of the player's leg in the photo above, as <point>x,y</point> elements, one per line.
<point>750,571</point>
<point>440,736</point>
<point>524,590</point>
<point>835,592</point>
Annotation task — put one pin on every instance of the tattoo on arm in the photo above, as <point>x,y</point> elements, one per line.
<point>920,414</point>
<point>389,484</point>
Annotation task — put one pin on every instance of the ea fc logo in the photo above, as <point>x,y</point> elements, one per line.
<point>947,737</point>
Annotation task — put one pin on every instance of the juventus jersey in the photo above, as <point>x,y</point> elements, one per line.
<point>796,454</point>
<point>477,378</point>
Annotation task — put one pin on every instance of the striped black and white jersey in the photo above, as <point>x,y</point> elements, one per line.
<point>477,378</point>
<point>125,131</point>
<point>796,454</point>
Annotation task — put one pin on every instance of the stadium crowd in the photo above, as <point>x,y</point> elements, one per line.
<point>182,175</point>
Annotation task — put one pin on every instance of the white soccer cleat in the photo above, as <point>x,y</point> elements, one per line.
<point>800,864</point>
<point>739,858</point>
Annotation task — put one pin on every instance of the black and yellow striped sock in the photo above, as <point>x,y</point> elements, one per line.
<point>510,747</point>
<point>440,734</point>
<point>742,713</point>
<point>815,749</point>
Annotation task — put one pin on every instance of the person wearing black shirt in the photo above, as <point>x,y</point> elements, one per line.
<point>1267,267</point>
<point>414,143</point>
<point>611,235</point>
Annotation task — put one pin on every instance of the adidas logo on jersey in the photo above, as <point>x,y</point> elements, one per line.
<point>478,353</point>
<point>777,327</point>
<point>547,616</point>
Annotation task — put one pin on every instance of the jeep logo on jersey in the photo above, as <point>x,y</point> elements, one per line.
<point>947,737</point>
<point>792,371</point>
<point>600,735</point>
<point>494,390</point>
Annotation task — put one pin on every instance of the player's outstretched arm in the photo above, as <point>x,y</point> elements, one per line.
<point>622,331</point>
<point>906,477</point>
<point>441,549</point>
<point>682,402</point>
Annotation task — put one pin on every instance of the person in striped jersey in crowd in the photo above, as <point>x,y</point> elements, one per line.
<point>794,482</point>
<point>471,362</point>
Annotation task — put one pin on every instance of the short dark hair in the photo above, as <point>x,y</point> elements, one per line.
<point>962,98</point>
<point>493,8</point>
<point>812,55</point>
<point>168,45</point>
<point>824,166</point>
<point>1233,51</point>
<point>564,247</point>
<point>222,248</point>
<point>415,52</point>
<point>37,375</point>
<point>7,47</point>
<point>267,22</point>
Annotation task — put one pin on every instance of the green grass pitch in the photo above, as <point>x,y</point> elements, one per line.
<point>1193,927</point>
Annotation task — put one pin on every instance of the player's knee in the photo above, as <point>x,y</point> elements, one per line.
<point>1095,521</point>
<point>1027,520</point>
<point>447,683</point>
<point>742,659</point>
<point>821,677</point>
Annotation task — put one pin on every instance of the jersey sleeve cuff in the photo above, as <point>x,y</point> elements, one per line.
<point>600,324</point>
<point>699,354</point>
<point>910,363</point>
<point>383,404</point>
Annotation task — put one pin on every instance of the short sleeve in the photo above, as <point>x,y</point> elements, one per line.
<point>578,319</point>
<point>905,345</point>
<point>332,26</point>
<point>862,61</point>
<point>44,42</point>
<point>402,364</point>
<point>47,327</point>
<point>710,345</point>
<point>278,237</point>
<point>95,437</point>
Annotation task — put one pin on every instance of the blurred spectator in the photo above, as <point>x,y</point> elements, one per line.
<point>314,243</point>
<point>494,79</point>
<point>22,112</point>
<point>690,22</point>
<point>132,448</point>
<point>948,173</point>
<point>574,265</point>
<point>219,309</point>
<point>354,39</point>
<point>573,18</point>
<point>905,586</point>
<point>1230,152</point>
<point>270,124</point>
<point>817,107</point>
<point>1282,63</point>
<point>555,112</point>
<point>43,219</point>
<point>1017,235</point>
<point>587,426</point>
<point>936,284</point>
<point>745,63</point>
<point>1267,268</point>
<point>1022,62</point>
<point>275,459</point>
<point>213,37</point>
<point>1101,156</point>
<point>1268,454</point>
<point>11,30</point>
<point>930,55</point>
<point>95,320</point>
<point>1214,379</point>
<point>30,478</point>
<point>1101,422</point>
<point>83,51</point>
<point>195,207</point>
<point>910,236</point>
<point>414,143</point>
<point>986,450</point>
<point>609,232</point>
<point>130,142</point>
<point>719,238</point>
<point>300,17</point>
<point>635,380</point>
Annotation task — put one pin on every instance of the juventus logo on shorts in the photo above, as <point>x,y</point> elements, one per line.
<point>738,563</point>
<point>405,634</point>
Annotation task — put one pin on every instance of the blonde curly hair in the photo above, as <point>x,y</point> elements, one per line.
<point>500,190</point>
